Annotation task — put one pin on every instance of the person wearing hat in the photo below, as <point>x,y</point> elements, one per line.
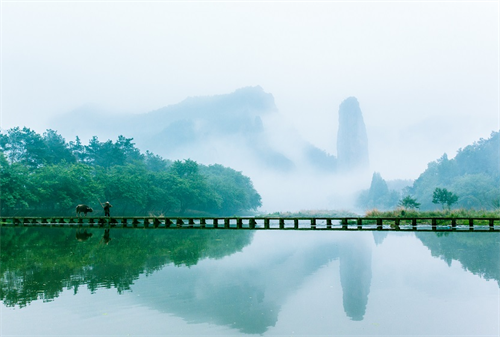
<point>106,207</point>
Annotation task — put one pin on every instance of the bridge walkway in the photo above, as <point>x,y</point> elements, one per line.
<point>475,224</point>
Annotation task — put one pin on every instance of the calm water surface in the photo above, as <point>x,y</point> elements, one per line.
<point>228,282</point>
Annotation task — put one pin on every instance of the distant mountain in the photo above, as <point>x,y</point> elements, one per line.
<point>352,141</point>
<point>245,131</point>
<point>241,129</point>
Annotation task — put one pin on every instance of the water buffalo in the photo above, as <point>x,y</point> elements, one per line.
<point>83,209</point>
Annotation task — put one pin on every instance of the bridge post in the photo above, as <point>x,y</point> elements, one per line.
<point>112,222</point>
<point>434,224</point>
<point>414,224</point>
<point>471,224</point>
<point>168,223</point>
<point>344,224</point>
<point>282,223</point>
<point>313,223</point>
<point>179,222</point>
<point>295,223</point>
<point>396,224</point>
<point>203,223</point>
<point>492,224</point>
<point>252,223</point>
<point>453,224</point>
<point>359,223</point>
<point>379,224</point>
<point>239,223</point>
<point>266,223</point>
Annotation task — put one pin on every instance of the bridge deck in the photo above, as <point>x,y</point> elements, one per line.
<point>271,223</point>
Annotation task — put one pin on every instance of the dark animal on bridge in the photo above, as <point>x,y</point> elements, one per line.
<point>82,235</point>
<point>83,209</point>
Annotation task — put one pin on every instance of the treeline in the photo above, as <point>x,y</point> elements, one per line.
<point>44,174</point>
<point>471,180</point>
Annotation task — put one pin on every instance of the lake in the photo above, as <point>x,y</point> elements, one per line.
<point>192,282</point>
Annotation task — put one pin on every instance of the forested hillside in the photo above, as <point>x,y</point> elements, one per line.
<point>44,174</point>
<point>473,176</point>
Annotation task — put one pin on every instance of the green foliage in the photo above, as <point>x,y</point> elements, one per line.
<point>409,203</point>
<point>444,197</point>
<point>474,175</point>
<point>455,213</point>
<point>47,175</point>
<point>234,190</point>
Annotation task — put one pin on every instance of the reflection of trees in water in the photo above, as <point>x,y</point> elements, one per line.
<point>38,263</point>
<point>477,252</point>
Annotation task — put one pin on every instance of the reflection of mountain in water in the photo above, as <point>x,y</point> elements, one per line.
<point>355,277</point>
<point>245,291</point>
<point>249,296</point>
<point>484,261</point>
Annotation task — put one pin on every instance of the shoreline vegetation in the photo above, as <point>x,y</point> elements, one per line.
<point>45,175</point>
<point>396,213</point>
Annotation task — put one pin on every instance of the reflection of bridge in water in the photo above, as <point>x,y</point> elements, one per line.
<point>462,224</point>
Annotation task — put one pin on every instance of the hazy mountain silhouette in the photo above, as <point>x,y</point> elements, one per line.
<point>245,131</point>
<point>352,141</point>
<point>239,128</point>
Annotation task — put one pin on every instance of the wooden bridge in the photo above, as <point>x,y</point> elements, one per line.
<point>269,223</point>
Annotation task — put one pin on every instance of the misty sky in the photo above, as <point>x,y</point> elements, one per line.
<point>426,74</point>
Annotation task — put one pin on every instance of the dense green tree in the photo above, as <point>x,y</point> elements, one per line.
<point>409,203</point>
<point>126,186</point>
<point>156,163</point>
<point>62,187</point>
<point>16,187</point>
<point>235,190</point>
<point>57,150</point>
<point>24,146</point>
<point>444,197</point>
<point>190,187</point>
<point>78,150</point>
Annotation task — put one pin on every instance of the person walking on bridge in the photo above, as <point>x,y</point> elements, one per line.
<point>106,207</point>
